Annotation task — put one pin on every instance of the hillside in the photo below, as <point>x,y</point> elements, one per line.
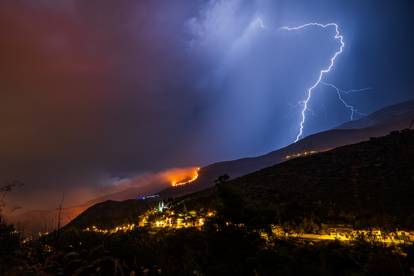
<point>366,184</point>
<point>379,123</point>
<point>398,116</point>
<point>110,213</point>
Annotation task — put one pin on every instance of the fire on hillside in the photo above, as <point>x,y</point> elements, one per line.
<point>181,177</point>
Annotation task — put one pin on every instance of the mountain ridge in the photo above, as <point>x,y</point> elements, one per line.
<point>378,123</point>
<point>394,117</point>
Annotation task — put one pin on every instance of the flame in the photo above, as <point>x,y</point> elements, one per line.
<point>180,177</point>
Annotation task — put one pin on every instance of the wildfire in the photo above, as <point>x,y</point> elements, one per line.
<point>184,176</point>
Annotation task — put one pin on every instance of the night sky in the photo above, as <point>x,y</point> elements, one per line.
<point>96,91</point>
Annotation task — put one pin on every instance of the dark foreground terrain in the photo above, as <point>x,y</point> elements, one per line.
<point>228,251</point>
<point>282,220</point>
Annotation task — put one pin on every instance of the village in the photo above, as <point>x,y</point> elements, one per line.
<point>164,217</point>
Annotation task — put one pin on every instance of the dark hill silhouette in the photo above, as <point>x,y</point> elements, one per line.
<point>111,213</point>
<point>398,116</point>
<point>379,123</point>
<point>366,184</point>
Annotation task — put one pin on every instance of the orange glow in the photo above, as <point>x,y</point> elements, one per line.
<point>184,176</point>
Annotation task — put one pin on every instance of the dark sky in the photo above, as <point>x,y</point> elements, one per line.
<point>95,91</point>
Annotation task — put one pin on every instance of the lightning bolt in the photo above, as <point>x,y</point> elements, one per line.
<point>347,105</point>
<point>322,73</point>
<point>338,36</point>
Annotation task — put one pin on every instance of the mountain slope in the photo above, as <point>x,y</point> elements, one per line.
<point>399,116</point>
<point>111,213</point>
<point>366,184</point>
<point>379,123</point>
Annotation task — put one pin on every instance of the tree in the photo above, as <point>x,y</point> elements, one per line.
<point>4,190</point>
